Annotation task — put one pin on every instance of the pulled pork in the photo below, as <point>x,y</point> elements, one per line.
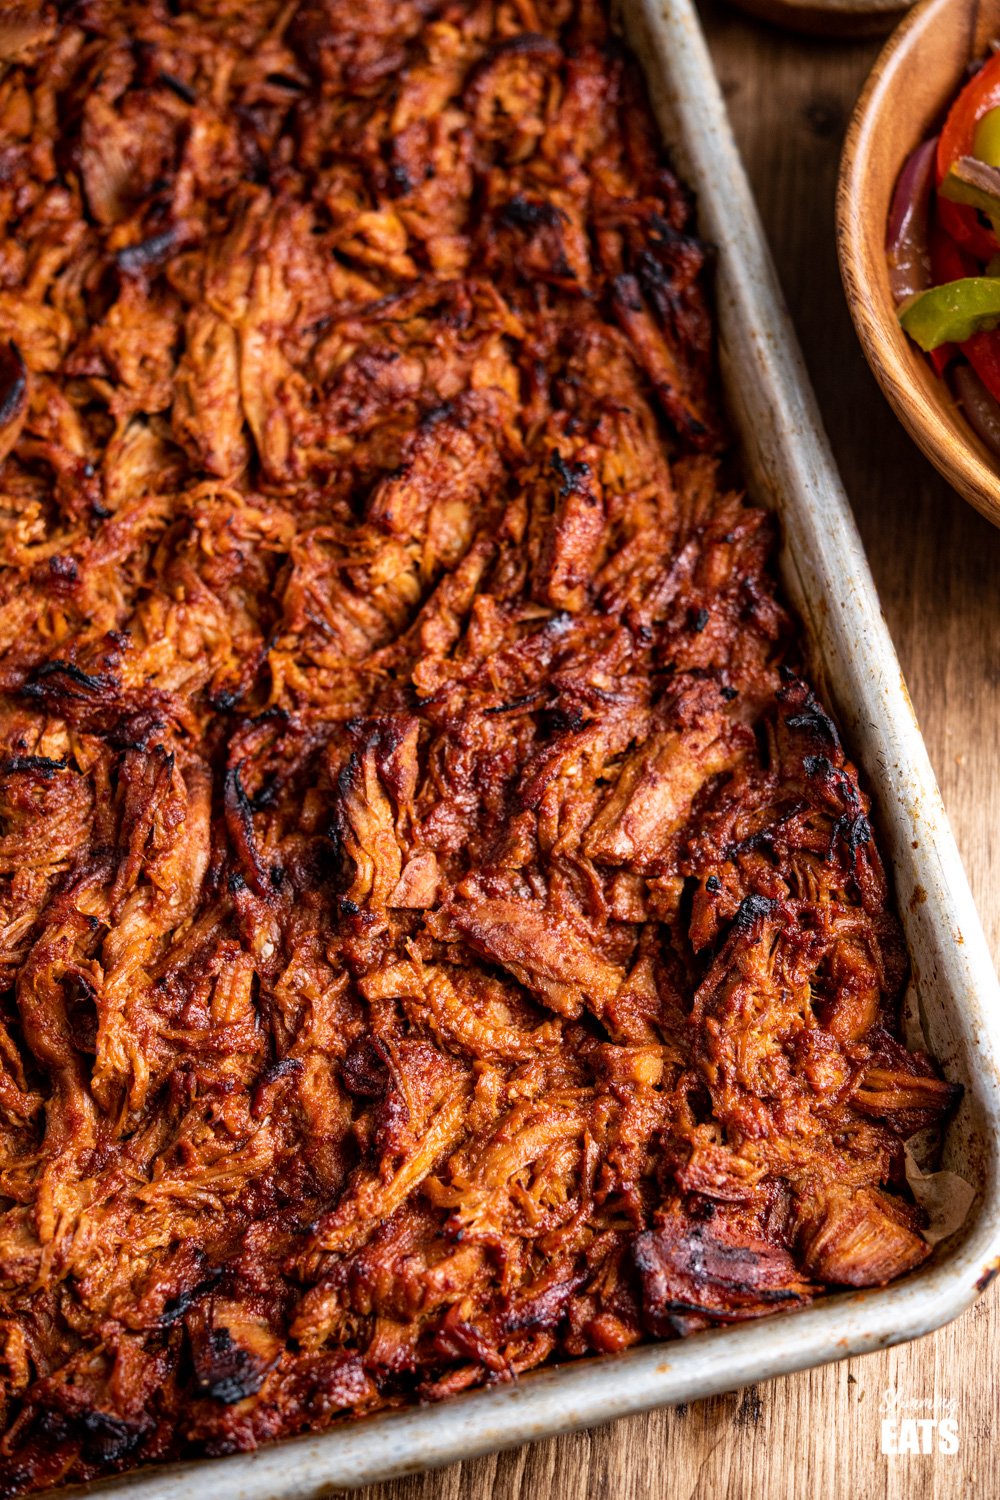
<point>440,930</point>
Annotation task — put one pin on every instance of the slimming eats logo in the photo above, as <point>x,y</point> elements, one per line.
<point>918,1424</point>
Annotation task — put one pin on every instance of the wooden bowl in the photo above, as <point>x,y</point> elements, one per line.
<point>918,73</point>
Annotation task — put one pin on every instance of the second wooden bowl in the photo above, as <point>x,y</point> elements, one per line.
<point>918,73</point>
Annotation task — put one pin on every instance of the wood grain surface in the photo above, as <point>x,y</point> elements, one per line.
<point>937,566</point>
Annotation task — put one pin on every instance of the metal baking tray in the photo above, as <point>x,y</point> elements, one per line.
<point>788,465</point>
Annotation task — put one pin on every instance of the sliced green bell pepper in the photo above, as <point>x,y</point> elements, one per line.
<point>952,313</point>
<point>971,181</point>
<point>986,140</point>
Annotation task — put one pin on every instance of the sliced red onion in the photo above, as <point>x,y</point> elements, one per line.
<point>982,411</point>
<point>907,249</point>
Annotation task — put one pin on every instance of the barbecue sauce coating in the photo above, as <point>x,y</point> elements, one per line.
<point>441,932</point>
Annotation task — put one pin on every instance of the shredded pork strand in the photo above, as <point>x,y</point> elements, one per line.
<point>440,930</point>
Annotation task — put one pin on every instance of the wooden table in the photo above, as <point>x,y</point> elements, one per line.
<point>937,566</point>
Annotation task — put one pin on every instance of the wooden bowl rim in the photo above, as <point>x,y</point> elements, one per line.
<point>944,436</point>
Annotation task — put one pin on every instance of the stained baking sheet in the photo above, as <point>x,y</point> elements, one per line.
<point>788,466</point>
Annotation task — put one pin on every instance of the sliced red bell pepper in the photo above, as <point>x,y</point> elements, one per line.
<point>942,356</point>
<point>948,263</point>
<point>983,353</point>
<point>981,93</point>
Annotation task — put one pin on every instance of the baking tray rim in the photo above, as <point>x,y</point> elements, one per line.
<point>667,37</point>
<point>564,1398</point>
